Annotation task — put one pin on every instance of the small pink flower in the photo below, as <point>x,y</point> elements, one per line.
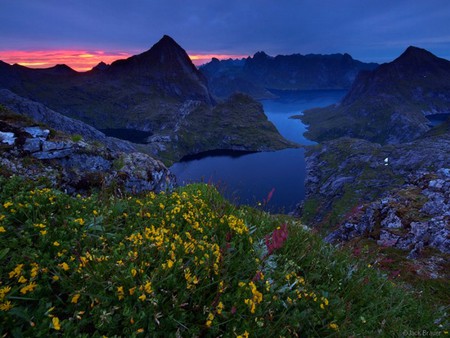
<point>276,240</point>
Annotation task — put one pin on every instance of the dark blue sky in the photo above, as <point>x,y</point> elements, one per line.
<point>370,30</point>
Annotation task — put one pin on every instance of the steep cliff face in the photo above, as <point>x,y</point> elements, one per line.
<point>73,163</point>
<point>261,73</point>
<point>389,104</point>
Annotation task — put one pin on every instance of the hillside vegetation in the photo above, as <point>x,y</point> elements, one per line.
<point>185,263</point>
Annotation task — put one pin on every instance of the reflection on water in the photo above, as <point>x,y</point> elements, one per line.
<point>248,179</point>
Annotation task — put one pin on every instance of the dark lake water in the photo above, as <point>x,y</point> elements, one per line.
<point>437,119</point>
<point>132,135</point>
<point>248,179</point>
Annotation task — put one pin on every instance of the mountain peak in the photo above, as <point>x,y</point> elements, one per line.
<point>260,55</point>
<point>167,39</point>
<point>100,66</point>
<point>415,55</point>
<point>167,44</point>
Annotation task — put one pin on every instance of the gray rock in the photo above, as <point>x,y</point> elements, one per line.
<point>436,184</point>
<point>89,163</point>
<point>40,113</point>
<point>37,132</point>
<point>445,172</point>
<point>392,221</point>
<point>419,230</point>
<point>49,146</point>
<point>53,154</point>
<point>32,145</point>
<point>7,137</point>
<point>387,239</point>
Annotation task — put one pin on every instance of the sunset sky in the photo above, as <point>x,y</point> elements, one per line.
<point>82,33</point>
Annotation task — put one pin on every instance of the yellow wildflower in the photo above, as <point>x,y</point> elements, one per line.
<point>244,335</point>
<point>28,288</point>
<point>169,263</point>
<point>3,291</point>
<point>148,287</point>
<point>133,272</point>
<point>219,308</point>
<point>55,278</point>
<point>333,326</point>
<point>2,229</point>
<point>56,243</point>
<point>142,297</point>
<point>6,205</point>
<point>6,306</point>
<point>75,298</point>
<point>43,232</point>
<point>80,221</point>
<point>17,271</point>
<point>120,292</point>
<point>131,291</point>
<point>56,324</point>
<point>34,270</point>
<point>64,266</point>
<point>22,280</point>
<point>140,330</point>
<point>209,319</point>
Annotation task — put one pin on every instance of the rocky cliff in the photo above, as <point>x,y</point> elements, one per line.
<point>70,162</point>
<point>388,104</point>
<point>260,74</point>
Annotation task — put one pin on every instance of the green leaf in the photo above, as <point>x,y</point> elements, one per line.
<point>3,253</point>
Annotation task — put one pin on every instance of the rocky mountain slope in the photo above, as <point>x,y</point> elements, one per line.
<point>159,92</point>
<point>72,162</point>
<point>389,104</point>
<point>386,186</point>
<point>259,74</point>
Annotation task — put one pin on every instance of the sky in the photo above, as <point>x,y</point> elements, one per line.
<point>81,33</point>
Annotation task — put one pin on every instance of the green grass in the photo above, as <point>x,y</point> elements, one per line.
<point>186,263</point>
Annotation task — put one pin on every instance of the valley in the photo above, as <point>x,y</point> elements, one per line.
<point>305,192</point>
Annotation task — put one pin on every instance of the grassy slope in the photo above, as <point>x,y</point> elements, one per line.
<point>186,263</point>
<point>238,123</point>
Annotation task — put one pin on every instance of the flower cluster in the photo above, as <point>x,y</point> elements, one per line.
<point>185,261</point>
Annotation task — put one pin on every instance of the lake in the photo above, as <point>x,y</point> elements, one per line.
<point>249,178</point>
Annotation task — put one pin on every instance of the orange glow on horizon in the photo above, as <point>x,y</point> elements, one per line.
<point>80,60</point>
<point>83,60</point>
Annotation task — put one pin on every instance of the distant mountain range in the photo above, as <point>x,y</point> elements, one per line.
<point>388,104</point>
<point>260,74</point>
<point>159,92</point>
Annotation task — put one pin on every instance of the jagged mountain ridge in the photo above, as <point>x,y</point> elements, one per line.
<point>159,92</point>
<point>261,73</point>
<point>389,104</point>
<point>167,62</point>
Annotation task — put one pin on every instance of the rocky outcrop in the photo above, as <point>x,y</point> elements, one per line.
<point>412,218</point>
<point>73,164</point>
<point>345,173</point>
<point>42,114</point>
